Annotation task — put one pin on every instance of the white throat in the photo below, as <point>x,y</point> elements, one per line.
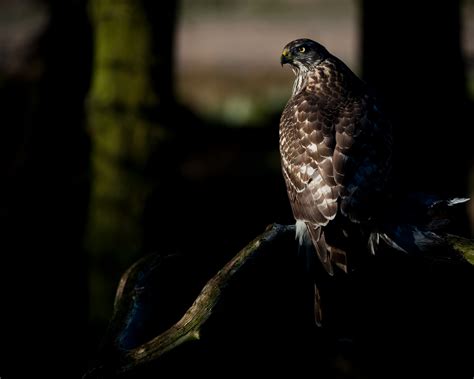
<point>301,79</point>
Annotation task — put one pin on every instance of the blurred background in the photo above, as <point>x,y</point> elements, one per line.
<point>138,126</point>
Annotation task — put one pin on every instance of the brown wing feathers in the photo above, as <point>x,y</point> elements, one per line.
<point>307,152</point>
<point>334,153</point>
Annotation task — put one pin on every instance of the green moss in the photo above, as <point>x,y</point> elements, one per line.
<point>464,246</point>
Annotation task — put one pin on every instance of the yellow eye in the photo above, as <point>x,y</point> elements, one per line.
<point>301,49</point>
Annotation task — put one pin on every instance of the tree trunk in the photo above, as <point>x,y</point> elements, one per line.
<point>411,54</point>
<point>131,89</point>
<point>44,76</point>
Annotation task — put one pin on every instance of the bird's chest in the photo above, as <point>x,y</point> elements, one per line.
<point>290,133</point>
<point>309,124</point>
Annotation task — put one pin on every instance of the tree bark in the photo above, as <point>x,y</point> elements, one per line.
<point>411,55</point>
<point>44,76</point>
<point>131,88</point>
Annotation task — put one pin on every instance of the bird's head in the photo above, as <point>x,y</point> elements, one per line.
<point>303,54</point>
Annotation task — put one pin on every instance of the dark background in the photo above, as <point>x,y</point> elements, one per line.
<point>133,127</point>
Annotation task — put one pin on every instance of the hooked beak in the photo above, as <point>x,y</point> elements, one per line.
<point>285,57</point>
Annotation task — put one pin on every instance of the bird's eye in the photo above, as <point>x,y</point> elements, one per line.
<point>301,49</point>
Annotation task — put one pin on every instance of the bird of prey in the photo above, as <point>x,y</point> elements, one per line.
<point>335,147</point>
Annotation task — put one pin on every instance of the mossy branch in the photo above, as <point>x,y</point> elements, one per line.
<point>463,246</point>
<point>189,327</point>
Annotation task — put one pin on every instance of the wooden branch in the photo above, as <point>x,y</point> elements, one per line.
<point>188,328</point>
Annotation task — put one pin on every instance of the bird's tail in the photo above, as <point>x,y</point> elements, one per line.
<point>306,250</point>
<point>311,237</point>
<point>419,225</point>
